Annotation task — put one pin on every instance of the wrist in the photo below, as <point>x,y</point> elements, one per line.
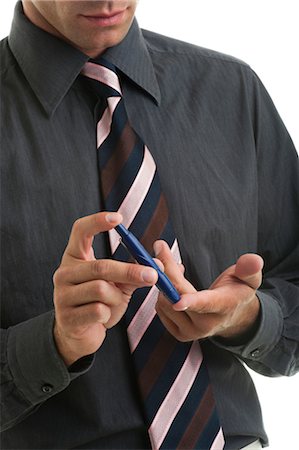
<point>64,348</point>
<point>245,329</point>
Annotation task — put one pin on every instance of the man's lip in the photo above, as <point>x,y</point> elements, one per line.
<point>107,19</point>
<point>104,15</point>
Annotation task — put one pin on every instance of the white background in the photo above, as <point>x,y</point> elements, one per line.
<point>265,34</point>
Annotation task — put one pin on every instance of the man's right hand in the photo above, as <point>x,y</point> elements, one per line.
<point>92,295</point>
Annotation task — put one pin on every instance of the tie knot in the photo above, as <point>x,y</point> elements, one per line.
<point>105,73</point>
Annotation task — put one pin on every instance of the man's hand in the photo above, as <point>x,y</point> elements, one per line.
<point>228,309</point>
<point>91,295</point>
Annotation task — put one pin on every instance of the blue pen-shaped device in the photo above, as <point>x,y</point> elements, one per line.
<point>143,257</point>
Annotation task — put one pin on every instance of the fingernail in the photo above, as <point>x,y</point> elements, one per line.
<point>183,308</point>
<point>149,275</point>
<point>157,248</point>
<point>113,217</point>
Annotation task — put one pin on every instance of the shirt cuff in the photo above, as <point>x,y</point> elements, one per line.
<point>267,335</point>
<point>37,369</point>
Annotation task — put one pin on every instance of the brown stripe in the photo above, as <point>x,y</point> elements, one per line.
<point>119,157</point>
<point>156,225</point>
<point>199,421</point>
<point>156,363</point>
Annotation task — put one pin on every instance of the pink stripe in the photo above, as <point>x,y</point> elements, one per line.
<point>176,396</point>
<point>104,125</point>
<point>146,312</point>
<point>142,318</point>
<point>219,441</point>
<point>176,252</point>
<point>136,195</point>
<point>139,189</point>
<point>102,74</point>
<point>114,240</point>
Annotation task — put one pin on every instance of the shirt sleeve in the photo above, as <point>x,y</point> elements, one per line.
<point>32,370</point>
<point>265,351</point>
<point>274,349</point>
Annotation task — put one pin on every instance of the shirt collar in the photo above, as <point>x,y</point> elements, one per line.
<point>132,57</point>
<point>51,65</point>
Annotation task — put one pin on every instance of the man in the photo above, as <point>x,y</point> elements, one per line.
<point>229,172</point>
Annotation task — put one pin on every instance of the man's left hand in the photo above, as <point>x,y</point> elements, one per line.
<point>228,309</point>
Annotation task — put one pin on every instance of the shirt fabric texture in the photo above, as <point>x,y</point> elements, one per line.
<point>229,171</point>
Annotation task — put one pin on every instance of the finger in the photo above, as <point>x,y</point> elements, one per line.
<point>172,269</point>
<point>108,270</point>
<point>168,323</point>
<point>203,302</point>
<point>214,301</point>
<point>187,327</point>
<point>163,253</point>
<point>159,264</point>
<point>89,292</point>
<point>84,230</point>
<point>249,269</point>
<point>78,319</point>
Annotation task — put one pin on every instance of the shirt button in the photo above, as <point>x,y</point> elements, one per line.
<point>255,353</point>
<point>47,388</point>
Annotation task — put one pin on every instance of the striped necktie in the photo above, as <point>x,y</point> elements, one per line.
<point>178,401</point>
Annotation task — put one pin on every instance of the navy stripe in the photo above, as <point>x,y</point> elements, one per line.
<point>121,254</point>
<point>168,234</point>
<point>135,302</point>
<point>166,379</point>
<point>188,409</point>
<point>102,90</point>
<point>104,62</point>
<point>125,179</point>
<point>210,432</point>
<point>146,210</point>
<point>119,121</point>
<point>148,343</point>
<point>99,109</point>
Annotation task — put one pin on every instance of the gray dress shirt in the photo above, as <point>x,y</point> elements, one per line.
<point>230,173</point>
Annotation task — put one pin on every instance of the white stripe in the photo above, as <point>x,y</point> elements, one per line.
<point>219,441</point>
<point>104,125</point>
<point>135,196</point>
<point>176,396</point>
<point>102,74</point>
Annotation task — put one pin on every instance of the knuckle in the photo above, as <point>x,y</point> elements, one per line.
<point>133,273</point>
<point>179,283</point>
<point>190,334</point>
<point>95,218</point>
<point>76,225</point>
<point>102,312</point>
<point>60,275</point>
<point>57,276</point>
<point>99,289</point>
<point>60,300</point>
<point>182,336</point>
<point>100,268</point>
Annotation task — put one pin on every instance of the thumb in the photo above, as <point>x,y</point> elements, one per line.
<point>249,269</point>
